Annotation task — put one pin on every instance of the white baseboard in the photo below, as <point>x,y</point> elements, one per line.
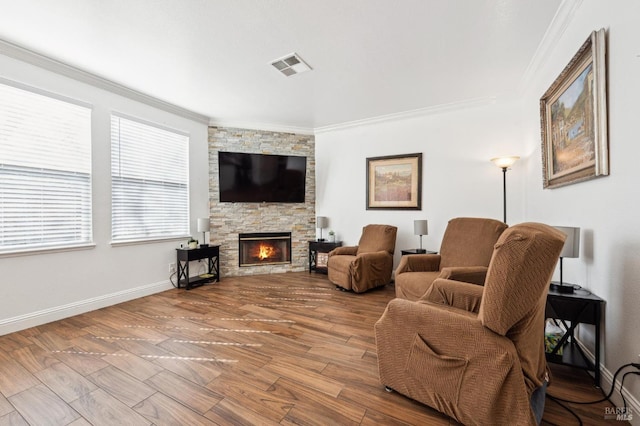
<point>44,316</point>
<point>606,378</point>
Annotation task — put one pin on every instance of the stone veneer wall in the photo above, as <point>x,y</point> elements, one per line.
<point>230,219</point>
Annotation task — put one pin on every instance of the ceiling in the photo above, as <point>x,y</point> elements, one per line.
<point>369,58</point>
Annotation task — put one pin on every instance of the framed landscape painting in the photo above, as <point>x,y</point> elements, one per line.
<point>394,182</point>
<point>573,116</point>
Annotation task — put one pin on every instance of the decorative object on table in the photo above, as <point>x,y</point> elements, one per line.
<point>204,224</point>
<point>574,118</point>
<point>420,227</point>
<point>571,249</point>
<point>332,236</point>
<point>552,336</point>
<point>321,222</point>
<point>504,163</point>
<point>321,259</point>
<point>192,243</point>
<point>394,182</point>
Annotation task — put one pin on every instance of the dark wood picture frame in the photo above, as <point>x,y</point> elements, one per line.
<point>573,114</point>
<point>394,182</point>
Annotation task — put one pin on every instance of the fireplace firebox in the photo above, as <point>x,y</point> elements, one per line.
<point>264,248</point>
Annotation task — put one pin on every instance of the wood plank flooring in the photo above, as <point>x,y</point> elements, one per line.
<point>263,350</point>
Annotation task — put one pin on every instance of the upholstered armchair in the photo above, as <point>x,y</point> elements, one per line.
<point>367,265</point>
<point>476,353</point>
<point>464,255</point>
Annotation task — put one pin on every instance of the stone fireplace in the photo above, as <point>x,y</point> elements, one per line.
<point>264,248</point>
<point>228,220</point>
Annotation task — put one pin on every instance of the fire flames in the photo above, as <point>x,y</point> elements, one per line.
<point>265,251</point>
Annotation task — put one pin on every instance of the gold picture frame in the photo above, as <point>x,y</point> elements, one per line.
<point>573,114</point>
<point>394,182</point>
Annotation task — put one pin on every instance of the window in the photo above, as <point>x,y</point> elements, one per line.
<point>45,171</point>
<point>149,181</point>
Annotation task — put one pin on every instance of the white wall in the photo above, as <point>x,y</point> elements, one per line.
<point>607,208</point>
<point>38,288</point>
<point>458,179</point>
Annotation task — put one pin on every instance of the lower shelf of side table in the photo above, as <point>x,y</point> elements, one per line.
<point>197,281</point>
<point>571,355</point>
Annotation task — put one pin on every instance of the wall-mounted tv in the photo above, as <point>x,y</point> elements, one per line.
<point>261,178</point>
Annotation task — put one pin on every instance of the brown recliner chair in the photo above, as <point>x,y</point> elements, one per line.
<point>465,252</point>
<point>367,265</point>
<point>477,353</point>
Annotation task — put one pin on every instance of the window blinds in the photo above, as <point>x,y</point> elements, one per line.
<point>45,171</point>
<point>149,181</point>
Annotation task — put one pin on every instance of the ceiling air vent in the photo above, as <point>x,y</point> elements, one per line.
<point>290,65</point>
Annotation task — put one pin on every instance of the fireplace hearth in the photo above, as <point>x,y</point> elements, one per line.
<point>264,248</point>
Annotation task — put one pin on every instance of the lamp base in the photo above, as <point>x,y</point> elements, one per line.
<point>204,245</point>
<point>321,239</point>
<point>563,288</point>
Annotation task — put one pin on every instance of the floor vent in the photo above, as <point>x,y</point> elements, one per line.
<point>290,65</point>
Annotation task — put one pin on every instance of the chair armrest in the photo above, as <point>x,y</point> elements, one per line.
<point>457,294</point>
<point>348,250</point>
<point>372,267</point>
<point>468,274</point>
<point>373,256</point>
<point>418,263</point>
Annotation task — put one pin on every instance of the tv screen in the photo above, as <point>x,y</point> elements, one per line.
<point>261,178</point>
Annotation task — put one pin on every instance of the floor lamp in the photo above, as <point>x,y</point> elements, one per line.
<point>504,163</point>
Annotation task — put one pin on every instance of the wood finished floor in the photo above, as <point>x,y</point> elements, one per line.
<point>264,350</point>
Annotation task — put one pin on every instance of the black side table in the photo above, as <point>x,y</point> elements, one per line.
<point>569,310</point>
<point>417,251</point>
<point>318,254</point>
<point>185,255</point>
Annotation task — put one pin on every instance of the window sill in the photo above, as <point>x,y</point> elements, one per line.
<point>32,251</point>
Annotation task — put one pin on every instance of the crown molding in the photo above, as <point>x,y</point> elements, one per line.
<point>420,112</point>
<point>559,24</point>
<point>267,127</point>
<point>25,55</point>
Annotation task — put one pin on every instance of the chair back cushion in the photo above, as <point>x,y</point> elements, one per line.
<point>377,238</point>
<point>519,274</point>
<point>468,241</point>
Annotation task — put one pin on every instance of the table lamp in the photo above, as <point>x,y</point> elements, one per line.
<point>420,227</point>
<point>321,222</point>
<point>571,249</point>
<point>204,224</point>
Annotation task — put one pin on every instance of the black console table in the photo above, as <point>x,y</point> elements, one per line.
<point>185,255</point>
<point>569,310</point>
<point>318,254</point>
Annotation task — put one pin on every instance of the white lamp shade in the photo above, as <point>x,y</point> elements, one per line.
<point>572,243</point>
<point>322,222</point>
<point>505,162</point>
<point>420,227</point>
<point>204,224</point>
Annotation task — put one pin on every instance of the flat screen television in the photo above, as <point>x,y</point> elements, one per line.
<point>261,178</point>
